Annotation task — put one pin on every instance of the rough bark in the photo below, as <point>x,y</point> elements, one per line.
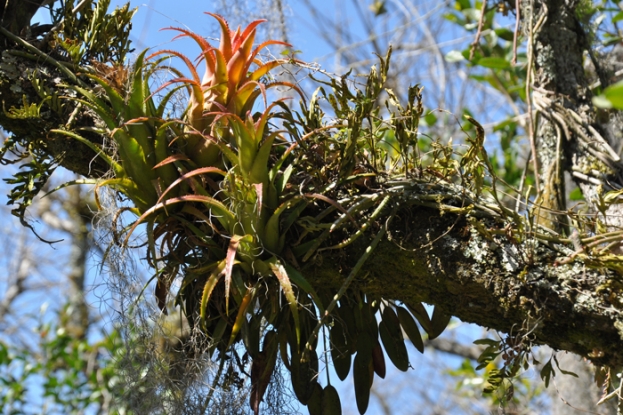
<point>496,283</point>
<point>476,269</point>
<point>15,15</point>
<point>570,130</point>
<point>18,68</point>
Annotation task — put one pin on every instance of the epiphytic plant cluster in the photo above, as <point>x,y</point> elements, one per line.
<point>239,204</point>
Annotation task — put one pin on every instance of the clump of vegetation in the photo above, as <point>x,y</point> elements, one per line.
<point>241,195</point>
<point>239,203</point>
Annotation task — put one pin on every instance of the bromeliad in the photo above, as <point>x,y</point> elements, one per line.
<point>221,188</point>
<point>231,83</point>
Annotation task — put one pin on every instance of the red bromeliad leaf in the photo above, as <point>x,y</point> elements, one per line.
<point>171,159</point>
<point>257,368</point>
<point>187,61</point>
<point>228,68</point>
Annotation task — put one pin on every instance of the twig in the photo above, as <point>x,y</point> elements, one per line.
<point>481,23</point>
<point>206,403</point>
<point>516,34</point>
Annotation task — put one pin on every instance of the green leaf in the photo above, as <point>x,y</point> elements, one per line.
<point>547,373</point>
<point>363,373</point>
<point>394,346</point>
<point>215,276</point>
<point>462,4</point>
<point>611,40</point>
<point>477,56</point>
<point>439,322</point>
<point>576,195</point>
<point>601,101</point>
<point>331,404</point>
<point>340,354</point>
<point>409,325</point>
<point>430,118</point>
<point>487,342</point>
<point>617,17</point>
<point>494,63</point>
<point>314,405</point>
<point>451,17</point>
<point>505,34</point>
<point>612,95</point>
<point>300,281</point>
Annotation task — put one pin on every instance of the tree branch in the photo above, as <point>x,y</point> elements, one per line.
<point>494,282</point>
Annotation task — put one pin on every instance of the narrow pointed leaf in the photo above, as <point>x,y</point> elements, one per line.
<point>282,275</point>
<point>234,242</point>
<point>203,170</point>
<point>439,322</point>
<point>409,325</point>
<point>241,317</point>
<point>223,214</point>
<point>300,281</point>
<point>213,279</point>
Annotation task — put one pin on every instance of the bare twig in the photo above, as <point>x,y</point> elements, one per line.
<point>481,23</point>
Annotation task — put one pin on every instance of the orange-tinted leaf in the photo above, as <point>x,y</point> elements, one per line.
<point>172,159</point>
<point>184,58</point>
<point>242,314</point>
<point>214,277</point>
<point>263,45</point>
<point>264,69</point>
<point>226,41</point>
<point>250,29</point>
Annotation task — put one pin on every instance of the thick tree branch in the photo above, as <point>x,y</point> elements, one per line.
<point>494,282</point>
